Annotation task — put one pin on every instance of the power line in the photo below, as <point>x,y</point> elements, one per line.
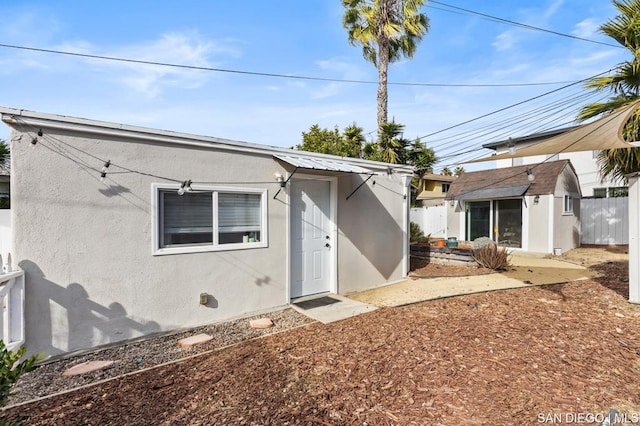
<point>266,74</point>
<point>520,24</point>
<point>512,105</point>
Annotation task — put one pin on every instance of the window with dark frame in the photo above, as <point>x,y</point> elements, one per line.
<point>600,192</point>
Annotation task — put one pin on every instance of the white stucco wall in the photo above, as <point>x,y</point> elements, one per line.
<point>86,246</point>
<point>539,224</point>
<point>370,239</point>
<point>566,225</point>
<point>585,164</point>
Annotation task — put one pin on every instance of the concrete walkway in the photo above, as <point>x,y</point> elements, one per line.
<point>527,270</point>
<point>328,308</point>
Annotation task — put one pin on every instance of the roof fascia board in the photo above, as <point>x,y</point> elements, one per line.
<point>82,125</point>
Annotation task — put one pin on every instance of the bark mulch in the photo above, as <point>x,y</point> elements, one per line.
<point>502,358</point>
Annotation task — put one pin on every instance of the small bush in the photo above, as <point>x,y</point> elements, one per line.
<point>415,232</point>
<point>11,368</point>
<point>493,257</point>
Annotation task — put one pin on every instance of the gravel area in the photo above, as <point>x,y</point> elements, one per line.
<point>144,353</point>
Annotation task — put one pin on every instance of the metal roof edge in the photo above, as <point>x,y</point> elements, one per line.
<point>62,122</point>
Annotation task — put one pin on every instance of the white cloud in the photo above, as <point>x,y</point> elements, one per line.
<point>553,8</point>
<point>151,80</point>
<point>586,28</point>
<point>505,41</point>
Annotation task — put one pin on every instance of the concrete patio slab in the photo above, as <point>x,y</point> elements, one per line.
<point>526,270</point>
<point>327,311</point>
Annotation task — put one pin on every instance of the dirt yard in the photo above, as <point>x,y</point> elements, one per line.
<point>508,357</point>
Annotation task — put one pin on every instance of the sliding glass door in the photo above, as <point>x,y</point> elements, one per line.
<point>507,219</point>
<point>478,219</point>
<point>500,220</point>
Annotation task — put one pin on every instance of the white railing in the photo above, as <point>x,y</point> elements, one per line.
<point>12,319</point>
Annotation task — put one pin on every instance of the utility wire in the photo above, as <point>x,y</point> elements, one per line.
<point>529,27</point>
<point>513,105</point>
<point>266,74</point>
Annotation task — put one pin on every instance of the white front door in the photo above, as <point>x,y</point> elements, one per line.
<point>311,243</point>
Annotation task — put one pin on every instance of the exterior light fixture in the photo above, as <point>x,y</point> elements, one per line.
<point>280,179</point>
<point>185,186</point>
<point>103,172</point>
<point>536,199</point>
<point>530,175</point>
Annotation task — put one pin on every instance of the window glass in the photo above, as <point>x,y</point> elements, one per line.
<point>186,219</point>
<point>568,204</point>
<point>239,218</point>
<point>620,191</point>
<point>600,192</point>
<point>209,220</point>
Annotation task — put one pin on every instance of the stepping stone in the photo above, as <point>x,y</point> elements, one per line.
<point>87,367</point>
<point>198,339</point>
<point>261,323</point>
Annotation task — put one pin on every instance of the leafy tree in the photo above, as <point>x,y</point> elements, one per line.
<point>458,171</point>
<point>332,142</point>
<point>446,171</point>
<point>392,147</point>
<point>4,151</point>
<point>421,157</point>
<point>387,30</point>
<point>624,86</point>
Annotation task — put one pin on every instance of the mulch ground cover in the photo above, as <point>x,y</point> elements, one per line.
<point>508,357</point>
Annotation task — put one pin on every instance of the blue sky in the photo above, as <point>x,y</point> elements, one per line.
<point>290,37</point>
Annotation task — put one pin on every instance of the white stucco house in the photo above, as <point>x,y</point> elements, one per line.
<point>584,162</point>
<point>124,231</point>
<point>534,208</point>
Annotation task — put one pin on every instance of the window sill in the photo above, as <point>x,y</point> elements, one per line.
<point>204,249</point>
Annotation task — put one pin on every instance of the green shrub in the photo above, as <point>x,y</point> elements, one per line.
<point>11,368</point>
<point>493,257</point>
<point>415,232</point>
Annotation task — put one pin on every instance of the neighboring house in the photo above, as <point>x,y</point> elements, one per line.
<point>432,189</point>
<point>584,162</point>
<point>187,230</point>
<point>538,215</point>
<point>430,212</point>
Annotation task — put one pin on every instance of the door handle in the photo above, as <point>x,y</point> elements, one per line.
<point>328,245</point>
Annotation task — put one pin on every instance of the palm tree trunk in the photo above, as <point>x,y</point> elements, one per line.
<point>383,65</point>
<point>383,96</point>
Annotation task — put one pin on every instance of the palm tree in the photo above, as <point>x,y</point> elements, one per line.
<point>624,84</point>
<point>387,30</point>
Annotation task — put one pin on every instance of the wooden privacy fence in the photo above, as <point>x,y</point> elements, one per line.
<point>12,319</point>
<point>604,220</point>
